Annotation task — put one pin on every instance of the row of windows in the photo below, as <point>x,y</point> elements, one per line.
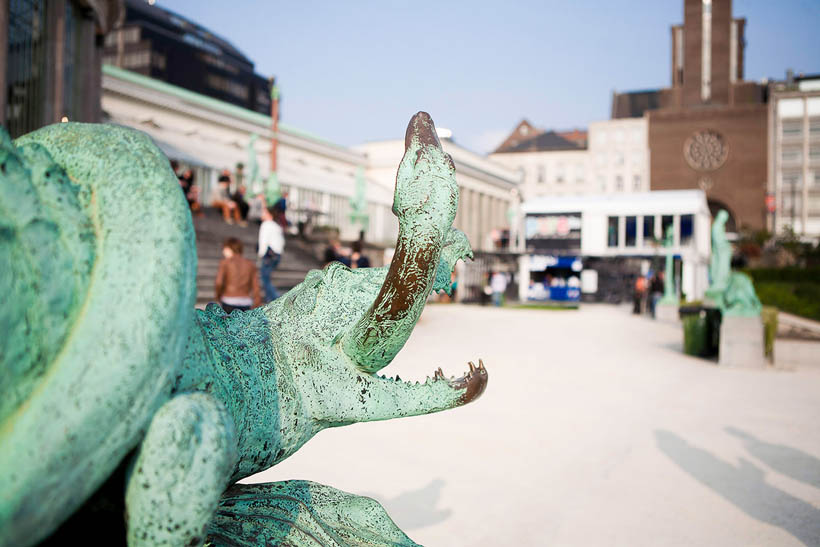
<point>794,128</point>
<point>794,154</point>
<point>795,180</point>
<point>791,205</point>
<point>618,158</point>
<point>636,227</point>
<point>130,35</point>
<point>229,86</point>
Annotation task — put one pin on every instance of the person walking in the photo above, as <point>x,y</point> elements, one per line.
<point>237,281</point>
<point>655,291</point>
<point>271,246</point>
<point>498,284</point>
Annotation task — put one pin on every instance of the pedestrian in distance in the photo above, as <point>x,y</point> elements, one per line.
<point>237,280</point>
<point>270,249</point>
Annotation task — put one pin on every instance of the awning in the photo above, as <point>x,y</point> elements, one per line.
<point>175,153</point>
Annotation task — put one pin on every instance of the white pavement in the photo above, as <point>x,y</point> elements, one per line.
<point>594,430</point>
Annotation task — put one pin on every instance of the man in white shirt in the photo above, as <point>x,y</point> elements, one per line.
<point>271,246</point>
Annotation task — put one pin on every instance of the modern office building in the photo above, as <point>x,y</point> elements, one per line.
<point>51,60</point>
<point>594,246</point>
<point>166,46</point>
<point>794,156</point>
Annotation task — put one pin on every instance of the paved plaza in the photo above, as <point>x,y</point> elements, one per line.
<point>594,430</point>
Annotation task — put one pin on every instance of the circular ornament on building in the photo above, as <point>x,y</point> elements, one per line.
<point>705,150</point>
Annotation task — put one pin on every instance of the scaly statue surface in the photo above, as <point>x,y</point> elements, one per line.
<point>103,354</point>
<point>732,292</point>
<point>669,296</point>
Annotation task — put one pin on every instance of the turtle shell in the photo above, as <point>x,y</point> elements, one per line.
<point>97,274</point>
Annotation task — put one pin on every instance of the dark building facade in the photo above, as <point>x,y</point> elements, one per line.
<point>50,65</point>
<point>166,46</point>
<point>709,129</point>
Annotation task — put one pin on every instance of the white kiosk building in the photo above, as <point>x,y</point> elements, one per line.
<point>595,245</point>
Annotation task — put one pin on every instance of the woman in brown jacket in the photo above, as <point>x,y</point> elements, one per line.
<point>237,281</point>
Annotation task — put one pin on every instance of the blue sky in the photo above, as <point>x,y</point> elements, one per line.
<point>355,71</point>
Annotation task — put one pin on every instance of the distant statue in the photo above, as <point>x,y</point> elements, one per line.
<point>669,294</point>
<point>732,292</point>
<point>721,260</point>
<point>358,203</point>
<point>253,166</point>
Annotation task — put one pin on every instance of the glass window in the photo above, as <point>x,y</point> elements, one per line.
<point>687,229</point>
<point>636,182</point>
<point>612,232</point>
<point>542,174</point>
<point>601,183</point>
<point>619,183</point>
<point>648,229</point>
<point>619,158</point>
<point>792,155</point>
<point>559,173</point>
<point>792,180</point>
<point>666,221</point>
<point>814,153</point>
<point>792,128</point>
<point>631,231</point>
<point>814,127</point>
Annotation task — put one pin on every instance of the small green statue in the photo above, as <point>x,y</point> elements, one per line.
<point>732,292</point>
<point>358,203</point>
<point>103,354</point>
<point>253,166</point>
<point>669,294</point>
<point>721,259</point>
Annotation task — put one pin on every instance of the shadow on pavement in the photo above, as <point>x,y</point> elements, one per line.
<point>744,486</point>
<point>789,461</point>
<point>416,508</point>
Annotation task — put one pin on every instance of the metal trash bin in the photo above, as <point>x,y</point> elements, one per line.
<point>701,330</point>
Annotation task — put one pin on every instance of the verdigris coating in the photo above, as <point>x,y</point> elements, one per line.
<point>106,354</point>
<point>669,295</point>
<point>732,292</point>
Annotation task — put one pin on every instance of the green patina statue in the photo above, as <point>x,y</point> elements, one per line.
<point>358,203</point>
<point>669,295</point>
<point>107,366</point>
<point>732,292</point>
<point>253,183</point>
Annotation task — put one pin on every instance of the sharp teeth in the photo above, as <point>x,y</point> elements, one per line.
<point>397,378</point>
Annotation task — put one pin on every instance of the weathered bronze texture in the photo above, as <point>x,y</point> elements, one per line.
<point>103,354</point>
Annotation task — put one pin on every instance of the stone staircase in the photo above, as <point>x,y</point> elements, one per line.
<point>211,231</point>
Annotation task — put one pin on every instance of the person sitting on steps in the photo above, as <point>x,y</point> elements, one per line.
<point>222,200</point>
